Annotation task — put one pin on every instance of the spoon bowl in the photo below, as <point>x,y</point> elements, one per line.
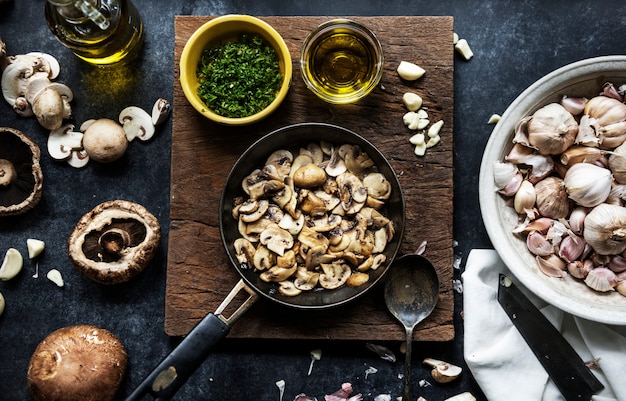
<point>411,293</point>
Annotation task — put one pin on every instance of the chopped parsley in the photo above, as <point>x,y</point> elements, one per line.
<point>239,79</point>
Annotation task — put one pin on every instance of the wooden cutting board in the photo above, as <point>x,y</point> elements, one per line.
<point>199,274</point>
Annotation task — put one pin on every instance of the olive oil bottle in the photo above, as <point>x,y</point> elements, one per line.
<point>101,32</point>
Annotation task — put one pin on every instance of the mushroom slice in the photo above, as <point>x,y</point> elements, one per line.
<point>357,279</point>
<point>357,161</point>
<point>288,289</point>
<point>311,238</point>
<point>443,372</point>
<point>379,260</point>
<point>21,176</point>
<point>137,123</point>
<point>49,64</point>
<point>378,187</point>
<point>325,223</point>
<point>331,201</point>
<point>249,215</point>
<point>277,274</point>
<point>160,111</point>
<point>336,165</point>
<point>310,204</point>
<point>244,251</point>
<point>305,280</point>
<point>114,241</point>
<point>79,362</point>
<point>352,193</point>
<point>282,159</point>
<point>294,226</point>
<point>314,256</point>
<point>301,160</point>
<point>15,79</point>
<point>263,258</point>
<point>316,152</point>
<point>380,240</point>
<point>288,259</point>
<point>62,141</point>
<point>334,275</point>
<point>276,239</point>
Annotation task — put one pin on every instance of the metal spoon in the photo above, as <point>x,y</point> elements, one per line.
<point>411,293</point>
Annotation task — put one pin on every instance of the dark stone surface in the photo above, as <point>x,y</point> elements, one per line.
<point>514,42</point>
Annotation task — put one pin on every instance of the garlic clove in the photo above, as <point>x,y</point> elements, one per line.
<point>525,198</point>
<point>552,266</point>
<point>507,178</point>
<point>11,265</point>
<point>538,244</point>
<point>35,247</point>
<point>605,110</point>
<point>587,129</point>
<point>601,279</point>
<point>571,247</point>
<point>577,218</point>
<point>580,269</point>
<point>617,263</point>
<point>609,90</point>
<point>575,105</point>
<point>540,166</point>
<point>612,135</point>
<point>542,225</point>
<point>581,154</point>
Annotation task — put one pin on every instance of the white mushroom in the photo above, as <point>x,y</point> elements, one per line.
<point>49,64</point>
<point>62,141</point>
<point>335,275</point>
<point>15,80</point>
<point>137,123</point>
<point>276,239</point>
<point>104,140</point>
<point>160,111</point>
<point>50,105</point>
<point>443,372</point>
<point>79,158</point>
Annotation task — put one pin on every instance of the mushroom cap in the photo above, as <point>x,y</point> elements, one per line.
<point>114,241</point>
<point>24,191</point>
<point>105,141</point>
<point>77,363</point>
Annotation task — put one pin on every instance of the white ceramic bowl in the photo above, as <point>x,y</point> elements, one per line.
<point>582,78</point>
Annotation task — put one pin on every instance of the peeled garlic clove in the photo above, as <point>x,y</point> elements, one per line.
<point>35,247</point>
<point>571,247</point>
<point>587,184</point>
<point>605,229</point>
<point>409,71</point>
<point>525,198</point>
<point>412,101</point>
<point>552,266</point>
<point>11,265</point>
<point>55,276</point>
<point>601,279</point>
<point>552,129</point>
<point>552,198</point>
<point>539,245</point>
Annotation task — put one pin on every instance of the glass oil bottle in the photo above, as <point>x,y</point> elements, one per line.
<point>101,32</point>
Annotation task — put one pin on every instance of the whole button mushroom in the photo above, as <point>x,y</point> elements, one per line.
<point>21,177</point>
<point>77,363</point>
<point>114,242</point>
<point>104,140</point>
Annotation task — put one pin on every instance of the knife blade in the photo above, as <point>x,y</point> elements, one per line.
<point>567,370</point>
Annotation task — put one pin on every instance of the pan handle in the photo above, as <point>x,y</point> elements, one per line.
<point>186,357</point>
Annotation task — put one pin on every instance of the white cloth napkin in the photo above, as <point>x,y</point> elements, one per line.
<point>500,360</point>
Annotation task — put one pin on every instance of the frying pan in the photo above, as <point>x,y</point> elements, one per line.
<point>184,359</point>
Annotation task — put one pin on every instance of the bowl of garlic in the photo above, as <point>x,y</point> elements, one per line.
<point>552,188</point>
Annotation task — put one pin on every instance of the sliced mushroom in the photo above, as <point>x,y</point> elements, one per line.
<point>336,165</point>
<point>378,187</point>
<point>352,193</point>
<point>137,123</point>
<point>288,289</point>
<point>114,241</point>
<point>294,226</point>
<point>276,239</point>
<point>301,160</point>
<point>288,259</point>
<point>357,279</point>
<point>62,141</point>
<point>277,274</point>
<point>357,161</point>
<point>79,158</point>
<point>334,275</point>
<point>253,210</point>
<point>21,177</point>
<point>244,251</point>
<point>81,362</point>
<point>310,204</point>
<point>443,372</point>
<point>282,159</point>
<point>160,111</point>
<point>263,258</point>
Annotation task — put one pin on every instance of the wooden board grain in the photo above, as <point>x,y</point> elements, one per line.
<point>199,275</point>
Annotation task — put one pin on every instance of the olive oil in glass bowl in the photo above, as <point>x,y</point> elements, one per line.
<point>341,61</point>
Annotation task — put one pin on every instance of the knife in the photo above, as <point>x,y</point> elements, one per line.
<point>571,375</point>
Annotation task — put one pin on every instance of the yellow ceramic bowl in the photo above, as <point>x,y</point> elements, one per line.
<point>224,28</point>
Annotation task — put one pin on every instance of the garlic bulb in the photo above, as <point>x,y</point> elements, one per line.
<point>552,129</point>
<point>605,110</point>
<point>605,229</point>
<point>588,184</point>
<point>552,198</point>
<point>617,163</point>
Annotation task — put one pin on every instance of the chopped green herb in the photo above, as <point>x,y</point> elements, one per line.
<point>239,79</point>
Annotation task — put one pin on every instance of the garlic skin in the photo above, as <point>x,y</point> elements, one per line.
<point>552,198</point>
<point>541,165</point>
<point>552,129</point>
<point>552,266</point>
<point>605,229</point>
<point>601,279</point>
<point>588,184</point>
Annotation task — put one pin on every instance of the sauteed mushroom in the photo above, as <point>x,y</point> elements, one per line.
<point>114,242</point>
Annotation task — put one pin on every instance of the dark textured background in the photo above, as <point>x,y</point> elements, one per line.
<point>514,42</point>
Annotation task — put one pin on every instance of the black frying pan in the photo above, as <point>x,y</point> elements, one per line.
<point>183,360</point>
